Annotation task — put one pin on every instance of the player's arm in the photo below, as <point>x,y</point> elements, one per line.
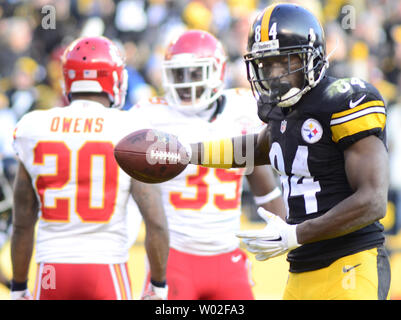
<point>265,190</point>
<point>358,129</point>
<point>25,214</point>
<point>237,152</point>
<point>148,199</point>
<point>366,166</point>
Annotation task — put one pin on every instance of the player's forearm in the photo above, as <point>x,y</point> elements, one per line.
<point>157,249</point>
<point>21,252</point>
<point>351,214</point>
<point>148,199</point>
<point>25,210</point>
<point>237,152</point>
<point>265,190</point>
<point>157,241</point>
<point>366,166</point>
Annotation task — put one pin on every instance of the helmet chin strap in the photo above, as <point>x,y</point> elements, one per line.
<point>290,98</point>
<point>288,95</point>
<point>266,104</point>
<point>278,89</point>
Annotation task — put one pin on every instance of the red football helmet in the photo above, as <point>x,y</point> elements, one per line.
<point>95,64</point>
<point>193,71</point>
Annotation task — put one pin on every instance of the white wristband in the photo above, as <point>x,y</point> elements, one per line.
<point>259,200</point>
<point>161,292</point>
<point>292,240</point>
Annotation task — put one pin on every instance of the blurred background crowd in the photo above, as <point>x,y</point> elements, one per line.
<point>365,34</point>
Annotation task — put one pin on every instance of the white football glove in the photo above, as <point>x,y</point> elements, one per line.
<point>277,238</point>
<point>21,295</point>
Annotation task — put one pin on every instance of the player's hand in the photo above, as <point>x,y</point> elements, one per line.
<point>155,293</point>
<point>21,295</point>
<point>275,239</point>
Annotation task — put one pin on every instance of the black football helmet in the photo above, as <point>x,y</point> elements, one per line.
<point>284,30</point>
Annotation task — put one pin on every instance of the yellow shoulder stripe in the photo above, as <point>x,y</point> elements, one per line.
<point>358,108</point>
<point>364,123</point>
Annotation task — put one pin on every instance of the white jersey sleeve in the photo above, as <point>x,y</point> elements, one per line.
<point>82,192</point>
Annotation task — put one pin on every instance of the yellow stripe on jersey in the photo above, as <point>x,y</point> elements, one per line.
<point>358,108</point>
<point>363,123</point>
<point>218,154</point>
<point>264,30</point>
<point>120,282</point>
<point>38,281</point>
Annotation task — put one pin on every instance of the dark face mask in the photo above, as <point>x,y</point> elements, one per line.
<point>266,103</point>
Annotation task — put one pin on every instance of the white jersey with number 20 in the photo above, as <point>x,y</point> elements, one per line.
<point>81,190</point>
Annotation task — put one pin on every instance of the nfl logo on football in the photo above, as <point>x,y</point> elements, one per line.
<point>283,126</point>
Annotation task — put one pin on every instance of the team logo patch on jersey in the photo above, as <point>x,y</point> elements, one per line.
<point>311,131</point>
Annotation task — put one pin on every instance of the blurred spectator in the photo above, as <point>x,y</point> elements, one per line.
<point>393,66</point>
<point>7,124</point>
<point>67,27</point>
<point>131,16</point>
<point>236,44</point>
<point>7,173</point>
<point>22,93</point>
<point>16,37</point>
<point>337,48</point>
<point>198,15</point>
<point>137,87</point>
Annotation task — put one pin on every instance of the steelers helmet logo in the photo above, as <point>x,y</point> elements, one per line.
<point>311,131</point>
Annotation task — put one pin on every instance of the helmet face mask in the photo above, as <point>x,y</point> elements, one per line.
<point>192,82</point>
<point>280,88</point>
<point>274,75</point>
<point>193,71</point>
<point>290,35</point>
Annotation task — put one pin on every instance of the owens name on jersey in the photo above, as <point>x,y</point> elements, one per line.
<point>81,190</point>
<point>307,149</point>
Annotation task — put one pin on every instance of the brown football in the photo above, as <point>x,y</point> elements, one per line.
<point>151,156</point>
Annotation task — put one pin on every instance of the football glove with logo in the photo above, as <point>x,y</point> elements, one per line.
<point>275,239</point>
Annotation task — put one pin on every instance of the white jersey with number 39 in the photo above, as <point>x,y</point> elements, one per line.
<point>203,204</point>
<point>81,191</point>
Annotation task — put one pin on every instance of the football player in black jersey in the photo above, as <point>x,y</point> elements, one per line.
<point>326,138</point>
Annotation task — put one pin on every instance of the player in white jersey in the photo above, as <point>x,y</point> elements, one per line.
<point>69,180</point>
<point>203,205</point>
